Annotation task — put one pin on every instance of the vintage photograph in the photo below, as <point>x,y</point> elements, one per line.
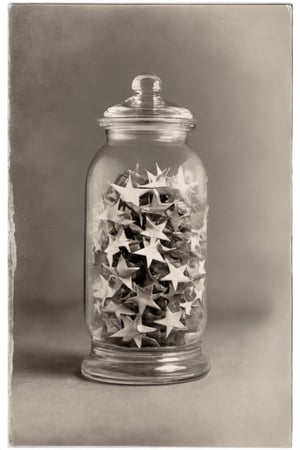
<point>150,224</point>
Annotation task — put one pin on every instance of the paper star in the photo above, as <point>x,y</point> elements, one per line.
<point>137,177</point>
<point>112,325</point>
<point>156,206</point>
<point>113,286</point>
<point>123,272</point>
<point>167,249</point>
<point>151,280</point>
<point>196,271</point>
<point>203,229</point>
<point>98,332</point>
<point>114,245</point>
<point>154,231</point>
<point>150,252</point>
<point>171,293</point>
<point>194,243</point>
<point>187,305</point>
<point>176,275</point>
<point>112,213</point>
<point>112,307</point>
<point>111,249</point>
<point>180,184</point>
<point>171,321</point>
<point>176,219</point>
<point>130,194</point>
<point>98,306</point>
<point>202,270</point>
<point>133,330</point>
<point>98,240</point>
<point>101,288</point>
<point>199,289</point>
<point>158,180</point>
<point>143,299</point>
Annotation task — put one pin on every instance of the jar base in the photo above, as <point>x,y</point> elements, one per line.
<point>144,367</point>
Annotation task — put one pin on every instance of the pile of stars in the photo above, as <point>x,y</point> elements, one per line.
<point>150,249</point>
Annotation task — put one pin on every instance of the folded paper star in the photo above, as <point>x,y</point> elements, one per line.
<point>143,298</point>
<point>156,207</point>
<point>112,213</point>
<point>202,270</point>
<point>188,305</point>
<point>155,231</point>
<point>133,330</point>
<point>199,289</point>
<point>97,306</point>
<point>180,184</point>
<point>170,295</point>
<point>159,180</point>
<point>176,275</point>
<point>98,332</point>
<point>123,272</point>
<point>129,194</point>
<point>150,251</point>
<point>194,243</point>
<point>114,245</point>
<point>119,309</point>
<point>171,321</point>
<point>112,325</point>
<point>101,288</point>
<point>197,271</point>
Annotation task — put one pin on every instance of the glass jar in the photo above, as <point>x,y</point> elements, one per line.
<point>145,253</point>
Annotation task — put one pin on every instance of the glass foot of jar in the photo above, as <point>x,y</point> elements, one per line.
<point>148,367</point>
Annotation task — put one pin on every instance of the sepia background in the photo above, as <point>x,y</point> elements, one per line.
<point>231,66</point>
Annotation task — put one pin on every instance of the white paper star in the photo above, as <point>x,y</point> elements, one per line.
<point>123,272</point>
<point>187,306</point>
<point>158,180</point>
<point>194,243</point>
<point>150,251</point>
<point>111,249</point>
<point>171,321</point>
<point>196,271</point>
<point>170,294</point>
<point>114,245</point>
<point>199,289</point>
<point>155,231</point>
<point>113,286</point>
<point>97,306</point>
<point>156,207</point>
<point>179,183</point>
<point>119,309</point>
<point>130,194</point>
<point>101,288</point>
<point>133,330</point>
<point>98,332</point>
<point>176,219</point>
<point>143,299</point>
<point>176,275</point>
<point>112,213</point>
<point>112,325</point>
<point>202,270</point>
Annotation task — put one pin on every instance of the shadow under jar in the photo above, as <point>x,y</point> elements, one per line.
<point>146,235</point>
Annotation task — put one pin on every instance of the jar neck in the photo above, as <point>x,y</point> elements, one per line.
<point>168,135</point>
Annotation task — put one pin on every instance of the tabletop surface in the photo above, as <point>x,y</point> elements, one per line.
<point>244,400</point>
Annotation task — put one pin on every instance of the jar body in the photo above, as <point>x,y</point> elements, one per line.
<point>145,278</point>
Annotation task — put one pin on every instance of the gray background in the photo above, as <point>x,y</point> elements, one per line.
<point>231,66</point>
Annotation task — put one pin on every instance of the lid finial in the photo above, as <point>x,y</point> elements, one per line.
<point>146,84</point>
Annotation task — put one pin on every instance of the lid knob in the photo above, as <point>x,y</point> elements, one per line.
<point>146,84</point>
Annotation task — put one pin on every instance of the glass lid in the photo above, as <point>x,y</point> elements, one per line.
<point>146,106</point>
